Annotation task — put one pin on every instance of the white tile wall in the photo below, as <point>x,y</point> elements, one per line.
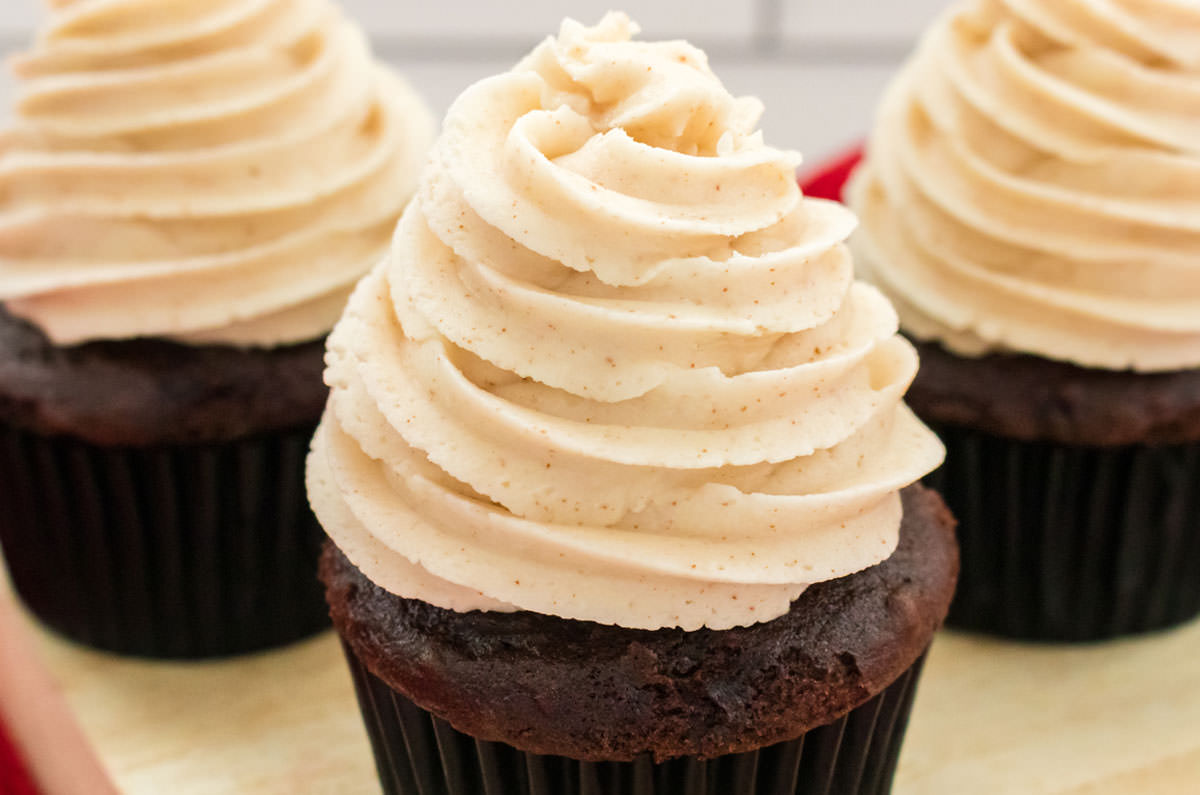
<point>861,21</point>
<point>441,81</point>
<point>530,20</point>
<point>817,109</point>
<point>488,19</point>
<point>17,17</point>
<point>819,65</point>
<point>6,94</point>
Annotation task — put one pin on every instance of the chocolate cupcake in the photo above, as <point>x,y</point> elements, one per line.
<point>188,192</point>
<point>613,458</point>
<point>1026,205</point>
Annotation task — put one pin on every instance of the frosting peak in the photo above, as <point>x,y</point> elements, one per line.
<point>1034,180</point>
<point>661,94</point>
<point>204,170</point>
<point>616,368</point>
<point>611,146</point>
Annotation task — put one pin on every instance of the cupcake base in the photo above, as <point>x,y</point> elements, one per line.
<point>173,551</point>
<point>1070,543</point>
<point>417,753</point>
<point>814,701</point>
<point>1076,489</point>
<point>588,691</point>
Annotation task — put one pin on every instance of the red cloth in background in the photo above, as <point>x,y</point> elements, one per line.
<point>827,180</point>
<point>14,778</point>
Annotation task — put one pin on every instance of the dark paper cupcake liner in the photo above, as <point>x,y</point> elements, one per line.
<point>174,551</point>
<point>417,753</point>
<point>1070,543</point>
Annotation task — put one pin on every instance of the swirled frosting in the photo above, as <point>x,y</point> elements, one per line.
<point>211,171</point>
<point>1033,183</point>
<point>615,368</point>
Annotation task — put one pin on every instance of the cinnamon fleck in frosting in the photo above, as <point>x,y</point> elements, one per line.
<point>1033,183</point>
<point>616,368</point>
<point>210,171</point>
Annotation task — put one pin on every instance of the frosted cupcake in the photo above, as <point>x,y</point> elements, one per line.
<point>188,191</point>
<point>1029,204</point>
<point>616,468</point>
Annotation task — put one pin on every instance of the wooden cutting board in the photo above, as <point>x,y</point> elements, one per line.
<point>991,717</point>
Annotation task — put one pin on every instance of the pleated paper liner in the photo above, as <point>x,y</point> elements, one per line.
<point>1066,543</point>
<point>176,551</point>
<point>417,753</point>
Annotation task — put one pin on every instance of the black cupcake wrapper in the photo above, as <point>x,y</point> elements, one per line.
<point>417,753</point>
<point>182,551</point>
<point>1072,543</point>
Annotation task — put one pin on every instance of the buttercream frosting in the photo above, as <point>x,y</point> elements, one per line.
<point>210,171</point>
<point>615,367</point>
<point>1033,183</point>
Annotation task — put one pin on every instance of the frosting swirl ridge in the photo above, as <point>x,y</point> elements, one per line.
<point>211,171</point>
<point>616,368</point>
<point>1033,183</point>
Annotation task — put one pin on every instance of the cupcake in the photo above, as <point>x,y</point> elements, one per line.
<point>188,192</point>
<point>616,468</point>
<point>1028,203</point>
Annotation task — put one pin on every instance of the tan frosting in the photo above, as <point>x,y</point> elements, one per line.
<point>1034,183</point>
<point>615,368</point>
<point>205,170</point>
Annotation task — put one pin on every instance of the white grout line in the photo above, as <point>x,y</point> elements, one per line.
<point>765,48</point>
<point>768,25</point>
